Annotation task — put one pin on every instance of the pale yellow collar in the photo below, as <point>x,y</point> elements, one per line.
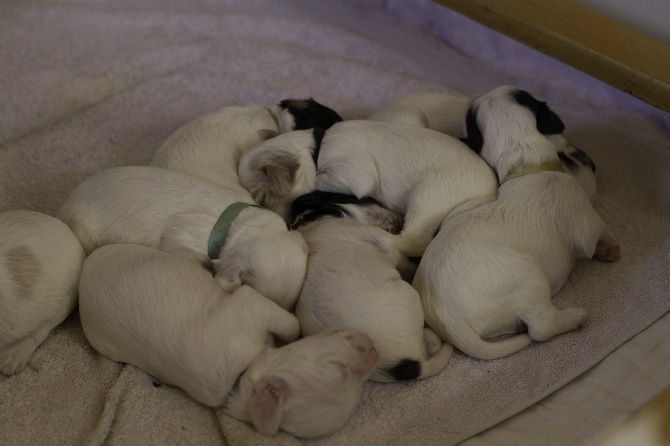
<point>525,169</point>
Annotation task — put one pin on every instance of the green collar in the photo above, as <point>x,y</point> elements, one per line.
<point>217,238</point>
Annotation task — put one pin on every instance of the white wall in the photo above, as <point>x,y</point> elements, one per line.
<point>650,17</point>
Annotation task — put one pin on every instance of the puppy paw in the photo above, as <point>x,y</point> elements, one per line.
<point>607,249</point>
<point>15,358</point>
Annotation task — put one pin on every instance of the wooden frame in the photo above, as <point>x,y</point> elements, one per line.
<point>607,50</point>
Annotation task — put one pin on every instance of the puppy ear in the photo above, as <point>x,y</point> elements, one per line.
<point>230,274</point>
<point>474,138</point>
<point>268,399</point>
<point>281,174</point>
<point>546,121</point>
<point>266,134</point>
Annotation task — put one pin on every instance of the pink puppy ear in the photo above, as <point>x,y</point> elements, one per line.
<point>267,404</point>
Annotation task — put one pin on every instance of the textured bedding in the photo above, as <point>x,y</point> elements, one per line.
<point>89,85</point>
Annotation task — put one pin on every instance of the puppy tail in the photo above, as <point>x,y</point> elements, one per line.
<point>437,360</point>
<point>470,343</point>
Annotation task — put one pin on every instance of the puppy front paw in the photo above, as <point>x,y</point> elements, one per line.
<point>15,358</point>
<point>607,249</point>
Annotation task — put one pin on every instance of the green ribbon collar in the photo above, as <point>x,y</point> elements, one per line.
<point>219,234</point>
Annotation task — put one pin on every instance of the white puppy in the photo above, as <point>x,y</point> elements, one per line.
<point>353,280</point>
<point>492,270</point>
<point>417,172</point>
<point>176,212</point>
<point>210,146</point>
<point>446,113</point>
<point>164,313</point>
<point>40,261</point>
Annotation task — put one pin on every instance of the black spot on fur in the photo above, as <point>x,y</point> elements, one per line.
<point>405,370</point>
<point>316,199</point>
<point>546,121</point>
<point>318,133</point>
<point>583,158</point>
<point>328,210</point>
<point>155,384</point>
<point>307,113</point>
<point>567,162</point>
<point>474,138</point>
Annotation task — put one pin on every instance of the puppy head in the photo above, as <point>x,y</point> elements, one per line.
<point>507,126</point>
<point>281,169</point>
<point>270,259</point>
<point>308,388</point>
<point>301,114</point>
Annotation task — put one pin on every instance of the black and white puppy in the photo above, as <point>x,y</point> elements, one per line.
<point>40,261</point>
<point>446,113</point>
<point>176,212</point>
<point>366,210</point>
<point>492,270</point>
<point>210,146</point>
<point>355,279</point>
<point>164,313</point>
<point>416,172</point>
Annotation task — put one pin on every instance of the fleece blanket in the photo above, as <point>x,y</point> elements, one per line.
<point>92,85</point>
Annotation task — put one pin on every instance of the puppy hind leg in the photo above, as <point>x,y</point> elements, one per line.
<point>607,249</point>
<point>544,320</point>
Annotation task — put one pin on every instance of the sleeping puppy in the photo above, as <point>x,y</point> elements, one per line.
<point>354,280</point>
<point>367,210</point>
<point>419,173</point>
<point>40,261</point>
<point>492,270</point>
<point>446,113</point>
<point>176,212</point>
<point>210,146</point>
<point>163,312</point>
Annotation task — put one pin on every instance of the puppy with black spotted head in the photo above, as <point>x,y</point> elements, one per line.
<point>210,146</point>
<point>165,314</point>
<point>356,277</point>
<point>40,261</point>
<point>419,173</point>
<point>172,211</point>
<point>446,112</point>
<point>492,270</point>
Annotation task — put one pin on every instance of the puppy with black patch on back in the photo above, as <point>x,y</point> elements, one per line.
<point>355,279</point>
<point>416,172</point>
<point>40,261</point>
<point>492,270</point>
<point>176,212</point>
<point>445,113</point>
<point>164,313</point>
<point>366,210</point>
<point>210,146</point>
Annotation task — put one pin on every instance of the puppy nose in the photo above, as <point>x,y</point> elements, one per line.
<point>365,349</point>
